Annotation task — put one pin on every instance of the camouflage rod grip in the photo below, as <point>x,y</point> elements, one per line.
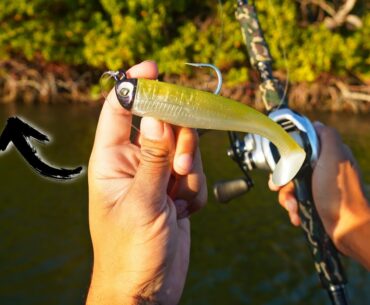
<point>252,35</point>
<point>325,255</point>
<point>259,55</point>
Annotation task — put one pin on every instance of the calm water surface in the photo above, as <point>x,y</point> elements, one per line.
<point>242,253</point>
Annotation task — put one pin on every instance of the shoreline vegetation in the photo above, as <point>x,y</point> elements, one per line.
<point>56,51</point>
<point>47,83</point>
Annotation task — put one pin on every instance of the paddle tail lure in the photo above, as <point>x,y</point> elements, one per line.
<point>188,107</point>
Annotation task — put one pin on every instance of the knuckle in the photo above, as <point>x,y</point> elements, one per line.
<point>202,193</point>
<point>199,201</point>
<point>193,184</point>
<point>195,192</point>
<point>200,182</point>
<point>189,135</point>
<point>281,198</point>
<point>202,187</point>
<point>157,155</point>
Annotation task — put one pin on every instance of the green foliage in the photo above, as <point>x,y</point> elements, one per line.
<point>116,34</point>
<point>308,51</point>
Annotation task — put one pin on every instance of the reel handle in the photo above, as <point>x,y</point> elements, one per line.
<point>225,191</point>
<point>325,255</point>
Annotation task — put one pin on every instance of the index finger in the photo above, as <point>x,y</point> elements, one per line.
<point>186,146</point>
<point>114,126</point>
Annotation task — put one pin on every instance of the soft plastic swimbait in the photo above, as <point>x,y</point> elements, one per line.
<point>194,108</point>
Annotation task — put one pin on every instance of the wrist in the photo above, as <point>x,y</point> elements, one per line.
<point>122,290</point>
<point>100,294</point>
<point>102,297</point>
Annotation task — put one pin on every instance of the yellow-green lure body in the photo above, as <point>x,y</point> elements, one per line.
<point>194,108</point>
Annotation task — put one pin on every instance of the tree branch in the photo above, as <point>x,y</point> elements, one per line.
<point>342,16</point>
<point>338,18</point>
<point>347,94</point>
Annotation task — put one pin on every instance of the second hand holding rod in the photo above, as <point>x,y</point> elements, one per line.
<point>257,152</point>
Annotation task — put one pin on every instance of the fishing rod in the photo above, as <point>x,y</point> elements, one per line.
<point>256,152</point>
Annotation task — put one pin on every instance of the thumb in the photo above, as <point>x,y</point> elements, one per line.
<point>157,151</point>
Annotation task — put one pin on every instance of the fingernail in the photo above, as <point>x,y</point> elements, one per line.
<point>151,128</point>
<point>183,164</point>
<point>291,205</point>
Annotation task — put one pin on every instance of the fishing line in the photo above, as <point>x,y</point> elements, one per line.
<point>106,83</point>
<point>287,78</point>
<point>220,13</point>
<point>283,49</point>
<point>221,36</point>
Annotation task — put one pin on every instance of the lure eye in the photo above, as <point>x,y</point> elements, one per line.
<point>125,91</point>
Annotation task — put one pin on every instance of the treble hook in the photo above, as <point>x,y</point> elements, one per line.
<point>214,68</point>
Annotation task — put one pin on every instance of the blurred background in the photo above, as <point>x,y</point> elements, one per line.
<point>52,54</point>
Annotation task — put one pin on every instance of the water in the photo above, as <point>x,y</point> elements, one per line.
<point>242,253</point>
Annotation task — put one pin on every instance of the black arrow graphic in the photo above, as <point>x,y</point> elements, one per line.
<point>18,132</point>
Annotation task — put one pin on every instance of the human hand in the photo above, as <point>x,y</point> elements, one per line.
<point>140,197</point>
<point>338,195</point>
